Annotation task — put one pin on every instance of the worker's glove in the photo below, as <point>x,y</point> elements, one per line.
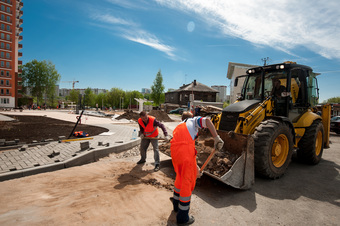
<point>167,138</point>
<point>142,136</point>
<point>218,143</point>
<point>199,174</point>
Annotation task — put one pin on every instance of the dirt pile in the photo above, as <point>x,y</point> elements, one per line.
<point>130,115</point>
<point>219,164</point>
<point>160,115</point>
<point>40,128</point>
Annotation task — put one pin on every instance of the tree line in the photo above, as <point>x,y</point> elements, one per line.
<point>40,78</point>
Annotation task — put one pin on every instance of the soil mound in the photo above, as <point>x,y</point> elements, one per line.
<point>130,115</point>
<point>160,115</point>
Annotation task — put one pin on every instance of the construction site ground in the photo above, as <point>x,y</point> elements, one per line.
<point>116,191</point>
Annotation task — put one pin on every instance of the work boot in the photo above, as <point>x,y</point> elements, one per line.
<point>190,221</point>
<point>156,167</point>
<point>141,161</point>
<point>175,204</point>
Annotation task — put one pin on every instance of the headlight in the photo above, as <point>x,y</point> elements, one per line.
<point>282,66</point>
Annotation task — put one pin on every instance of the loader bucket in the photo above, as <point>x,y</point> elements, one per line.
<point>241,173</point>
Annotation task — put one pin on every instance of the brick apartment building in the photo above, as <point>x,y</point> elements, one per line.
<point>10,75</point>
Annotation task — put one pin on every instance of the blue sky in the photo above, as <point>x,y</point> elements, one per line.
<point>124,43</point>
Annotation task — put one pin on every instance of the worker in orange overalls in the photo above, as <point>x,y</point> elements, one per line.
<point>183,154</point>
<point>148,127</point>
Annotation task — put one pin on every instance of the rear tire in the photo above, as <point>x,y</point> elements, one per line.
<point>311,144</point>
<point>273,148</point>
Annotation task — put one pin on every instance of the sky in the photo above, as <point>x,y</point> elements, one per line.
<point>108,44</point>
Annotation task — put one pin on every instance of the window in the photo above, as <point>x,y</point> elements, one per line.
<point>2,64</point>
<point>2,54</point>
<point>2,36</point>
<point>7,91</point>
<point>2,91</point>
<point>2,45</point>
<point>8,46</point>
<point>1,82</point>
<point>3,8</point>
<point>2,17</point>
<point>2,72</point>
<point>8,37</point>
<point>8,19</point>
<point>2,27</point>
<point>8,55</point>
<point>7,64</point>
<point>7,73</point>
<point>7,82</point>
<point>8,9</point>
<point>8,28</point>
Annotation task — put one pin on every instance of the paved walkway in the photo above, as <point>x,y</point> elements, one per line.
<point>28,160</point>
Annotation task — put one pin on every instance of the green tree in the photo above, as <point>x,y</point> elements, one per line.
<point>100,99</point>
<point>114,97</point>
<point>40,77</point>
<point>157,89</point>
<point>130,98</point>
<point>74,96</point>
<point>333,100</point>
<point>89,98</point>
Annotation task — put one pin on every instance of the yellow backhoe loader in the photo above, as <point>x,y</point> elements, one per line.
<point>273,118</point>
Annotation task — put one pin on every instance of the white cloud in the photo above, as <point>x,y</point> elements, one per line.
<point>150,40</point>
<point>283,25</point>
<point>130,30</point>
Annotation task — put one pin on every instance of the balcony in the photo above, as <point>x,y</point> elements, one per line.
<point>20,46</point>
<point>20,38</point>
<point>20,70</point>
<point>19,62</point>
<point>19,54</point>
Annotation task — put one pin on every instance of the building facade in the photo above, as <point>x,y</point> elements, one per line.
<point>222,93</point>
<point>200,91</point>
<point>10,74</point>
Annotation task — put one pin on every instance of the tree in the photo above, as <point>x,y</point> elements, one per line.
<point>89,97</point>
<point>130,96</point>
<point>157,89</point>
<point>333,100</point>
<point>100,99</point>
<point>40,77</point>
<point>114,97</point>
<point>74,96</point>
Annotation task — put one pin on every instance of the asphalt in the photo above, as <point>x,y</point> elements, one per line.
<point>29,159</point>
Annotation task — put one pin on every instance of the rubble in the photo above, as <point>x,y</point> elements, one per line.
<point>219,164</point>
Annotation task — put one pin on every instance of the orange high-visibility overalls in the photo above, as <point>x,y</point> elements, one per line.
<point>183,156</point>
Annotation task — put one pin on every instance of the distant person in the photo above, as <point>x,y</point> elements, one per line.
<point>183,154</point>
<point>148,126</point>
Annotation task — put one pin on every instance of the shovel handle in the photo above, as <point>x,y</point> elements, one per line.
<point>154,138</point>
<point>208,160</point>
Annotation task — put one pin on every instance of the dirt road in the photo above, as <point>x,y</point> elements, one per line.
<point>116,191</point>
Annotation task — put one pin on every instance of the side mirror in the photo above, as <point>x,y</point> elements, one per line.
<point>235,82</point>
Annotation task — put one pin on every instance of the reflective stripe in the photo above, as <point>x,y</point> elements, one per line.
<point>183,207</point>
<point>176,197</point>
<point>149,133</point>
<point>177,190</point>
<point>185,199</point>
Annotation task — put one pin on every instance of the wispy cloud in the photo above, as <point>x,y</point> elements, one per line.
<point>145,38</point>
<point>129,30</point>
<point>283,25</point>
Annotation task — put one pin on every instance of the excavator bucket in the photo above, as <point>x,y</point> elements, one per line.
<point>241,172</point>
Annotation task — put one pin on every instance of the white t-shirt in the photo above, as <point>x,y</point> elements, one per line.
<point>195,123</point>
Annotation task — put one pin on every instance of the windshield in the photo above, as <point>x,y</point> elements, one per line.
<point>275,83</point>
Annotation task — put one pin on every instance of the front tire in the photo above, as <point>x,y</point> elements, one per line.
<point>311,144</point>
<point>273,148</point>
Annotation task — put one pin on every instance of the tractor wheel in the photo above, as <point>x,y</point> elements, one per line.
<point>273,148</point>
<point>311,144</point>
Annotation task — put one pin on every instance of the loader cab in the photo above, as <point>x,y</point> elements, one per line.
<point>293,88</point>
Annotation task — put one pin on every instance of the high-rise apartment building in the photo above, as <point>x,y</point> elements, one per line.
<point>10,75</point>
